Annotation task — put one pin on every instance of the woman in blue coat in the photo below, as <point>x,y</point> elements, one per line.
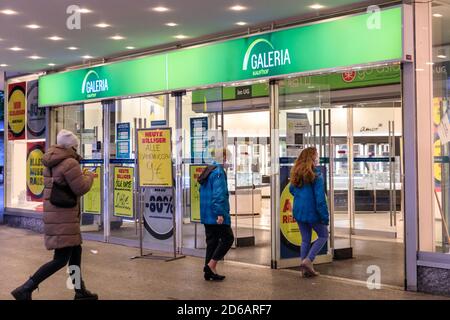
<point>310,207</point>
<point>215,215</point>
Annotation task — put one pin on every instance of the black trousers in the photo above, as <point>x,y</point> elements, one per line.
<point>219,239</point>
<point>70,256</point>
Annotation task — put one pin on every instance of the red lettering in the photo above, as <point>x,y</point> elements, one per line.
<point>287,206</point>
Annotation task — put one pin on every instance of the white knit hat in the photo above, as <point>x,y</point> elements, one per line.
<point>67,139</point>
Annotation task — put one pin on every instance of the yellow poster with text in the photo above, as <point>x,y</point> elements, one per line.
<point>35,171</point>
<point>123,192</point>
<point>155,157</point>
<point>16,111</point>
<point>195,172</point>
<point>92,201</point>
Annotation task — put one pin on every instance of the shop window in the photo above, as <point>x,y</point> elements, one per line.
<point>25,146</point>
<point>440,21</point>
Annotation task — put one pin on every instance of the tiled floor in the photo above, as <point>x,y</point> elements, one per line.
<point>108,270</point>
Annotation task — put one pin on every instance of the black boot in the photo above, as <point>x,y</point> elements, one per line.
<point>25,291</point>
<point>84,294</point>
<point>210,275</point>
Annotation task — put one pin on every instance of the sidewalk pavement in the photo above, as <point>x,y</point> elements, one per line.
<point>108,271</point>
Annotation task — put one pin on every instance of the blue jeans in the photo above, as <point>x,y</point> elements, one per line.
<point>308,250</point>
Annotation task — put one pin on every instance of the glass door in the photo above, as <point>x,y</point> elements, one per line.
<point>125,115</point>
<point>86,121</point>
<point>377,130</point>
<point>306,119</point>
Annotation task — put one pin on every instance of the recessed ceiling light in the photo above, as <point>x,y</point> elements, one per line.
<point>15,49</point>
<point>130,47</point>
<point>238,8</point>
<point>430,63</point>
<point>55,38</point>
<point>300,100</point>
<point>34,57</point>
<point>102,25</point>
<point>72,48</point>
<point>171,24</point>
<point>84,10</point>
<point>180,36</point>
<point>441,56</point>
<point>8,12</point>
<point>3,65</point>
<point>33,26</point>
<point>87,57</point>
<point>437,15</point>
<point>160,9</point>
<point>241,23</point>
<point>317,6</point>
<point>117,37</point>
<point>51,64</point>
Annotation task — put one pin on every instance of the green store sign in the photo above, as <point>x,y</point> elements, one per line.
<point>342,42</point>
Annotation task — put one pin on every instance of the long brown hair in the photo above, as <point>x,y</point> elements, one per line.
<point>303,170</point>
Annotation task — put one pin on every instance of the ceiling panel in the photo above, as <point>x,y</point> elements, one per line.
<point>132,19</point>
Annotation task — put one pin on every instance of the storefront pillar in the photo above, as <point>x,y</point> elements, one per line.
<point>107,194</point>
<point>178,227</point>
<point>275,172</point>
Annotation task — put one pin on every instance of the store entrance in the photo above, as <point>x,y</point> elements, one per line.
<point>249,182</point>
<point>358,134</point>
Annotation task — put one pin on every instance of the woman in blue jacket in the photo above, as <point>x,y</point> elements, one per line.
<point>215,216</point>
<point>310,207</point>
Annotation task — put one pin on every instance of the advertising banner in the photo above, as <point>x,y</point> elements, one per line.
<point>35,171</point>
<point>35,115</point>
<point>155,157</point>
<point>123,192</point>
<point>92,201</point>
<point>194,172</point>
<point>290,237</point>
<point>158,212</point>
<point>297,125</point>
<point>199,139</point>
<point>16,111</point>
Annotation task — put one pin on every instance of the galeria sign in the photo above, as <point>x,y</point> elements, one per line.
<point>93,84</point>
<point>320,46</point>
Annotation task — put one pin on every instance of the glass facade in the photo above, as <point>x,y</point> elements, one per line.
<point>440,20</point>
<point>25,144</point>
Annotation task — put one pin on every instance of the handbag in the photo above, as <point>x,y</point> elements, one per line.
<point>62,196</point>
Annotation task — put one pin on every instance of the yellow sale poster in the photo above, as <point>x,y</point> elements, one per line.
<point>155,157</point>
<point>195,172</point>
<point>35,171</point>
<point>123,192</point>
<point>92,201</point>
<point>16,111</point>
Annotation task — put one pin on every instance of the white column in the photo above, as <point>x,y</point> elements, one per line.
<point>425,130</point>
